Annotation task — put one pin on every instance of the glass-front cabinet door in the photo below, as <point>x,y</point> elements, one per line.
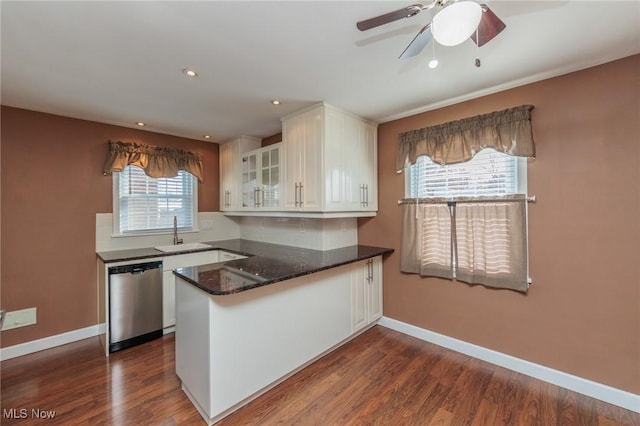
<point>261,178</point>
<point>270,176</point>
<point>249,179</point>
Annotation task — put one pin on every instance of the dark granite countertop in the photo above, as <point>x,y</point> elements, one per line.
<point>265,263</point>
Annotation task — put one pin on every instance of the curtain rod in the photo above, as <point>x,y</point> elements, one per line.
<point>443,200</point>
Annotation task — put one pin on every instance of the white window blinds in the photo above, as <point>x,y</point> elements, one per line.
<point>488,173</point>
<point>145,204</point>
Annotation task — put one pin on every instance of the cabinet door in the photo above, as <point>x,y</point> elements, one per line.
<point>249,180</point>
<point>354,165</point>
<point>369,169</point>
<point>168,299</point>
<point>302,152</point>
<point>366,293</point>
<point>226,176</point>
<point>270,177</point>
<point>292,146</point>
<point>374,292</point>
<point>360,166</point>
<point>358,296</point>
<point>336,156</point>
<point>312,159</point>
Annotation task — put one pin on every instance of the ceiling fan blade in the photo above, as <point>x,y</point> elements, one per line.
<point>489,27</point>
<point>418,43</point>
<point>406,12</point>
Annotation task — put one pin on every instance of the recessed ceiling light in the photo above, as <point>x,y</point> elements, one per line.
<point>140,123</point>
<point>275,102</point>
<point>207,137</point>
<point>190,73</point>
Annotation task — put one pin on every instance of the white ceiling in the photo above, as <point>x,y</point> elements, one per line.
<point>121,62</point>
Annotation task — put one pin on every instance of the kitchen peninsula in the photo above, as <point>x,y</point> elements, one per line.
<point>245,325</point>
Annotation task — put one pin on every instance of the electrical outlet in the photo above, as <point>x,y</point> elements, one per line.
<point>21,318</point>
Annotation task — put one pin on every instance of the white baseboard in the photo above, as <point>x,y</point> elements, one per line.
<point>50,342</point>
<point>614,396</point>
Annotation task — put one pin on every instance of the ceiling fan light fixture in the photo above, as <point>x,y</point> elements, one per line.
<point>455,23</point>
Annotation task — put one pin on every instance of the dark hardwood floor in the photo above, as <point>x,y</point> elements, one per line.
<point>380,378</point>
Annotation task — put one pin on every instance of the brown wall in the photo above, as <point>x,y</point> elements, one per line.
<point>272,139</point>
<point>582,312</point>
<point>52,188</point>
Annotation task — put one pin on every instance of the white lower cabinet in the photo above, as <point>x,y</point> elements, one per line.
<point>232,348</point>
<point>170,263</point>
<point>366,293</point>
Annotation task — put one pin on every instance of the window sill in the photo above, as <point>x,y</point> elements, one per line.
<point>147,234</point>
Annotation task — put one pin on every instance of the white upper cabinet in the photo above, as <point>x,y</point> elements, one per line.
<point>330,162</point>
<point>359,152</point>
<point>261,171</point>
<point>230,169</point>
<point>301,146</point>
<point>325,166</point>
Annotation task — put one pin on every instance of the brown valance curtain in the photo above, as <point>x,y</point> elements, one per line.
<point>157,162</point>
<point>507,131</point>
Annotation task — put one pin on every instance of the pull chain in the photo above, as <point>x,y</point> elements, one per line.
<point>478,63</point>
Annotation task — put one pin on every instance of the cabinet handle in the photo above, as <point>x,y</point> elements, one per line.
<point>255,197</point>
<point>296,195</point>
<point>301,194</point>
<point>262,197</point>
<point>366,195</point>
<point>371,263</point>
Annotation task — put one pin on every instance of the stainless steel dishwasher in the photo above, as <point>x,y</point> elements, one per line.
<point>135,304</point>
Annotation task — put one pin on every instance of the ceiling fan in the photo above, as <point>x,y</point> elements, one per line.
<point>453,23</point>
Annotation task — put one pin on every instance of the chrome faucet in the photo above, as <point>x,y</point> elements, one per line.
<point>176,240</point>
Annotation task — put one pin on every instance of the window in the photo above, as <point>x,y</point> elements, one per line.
<point>146,205</point>
<point>488,173</point>
<point>482,239</point>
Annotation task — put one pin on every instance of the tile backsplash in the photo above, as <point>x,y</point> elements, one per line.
<point>213,226</point>
<point>316,234</point>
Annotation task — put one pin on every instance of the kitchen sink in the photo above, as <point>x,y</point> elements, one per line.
<point>183,247</point>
